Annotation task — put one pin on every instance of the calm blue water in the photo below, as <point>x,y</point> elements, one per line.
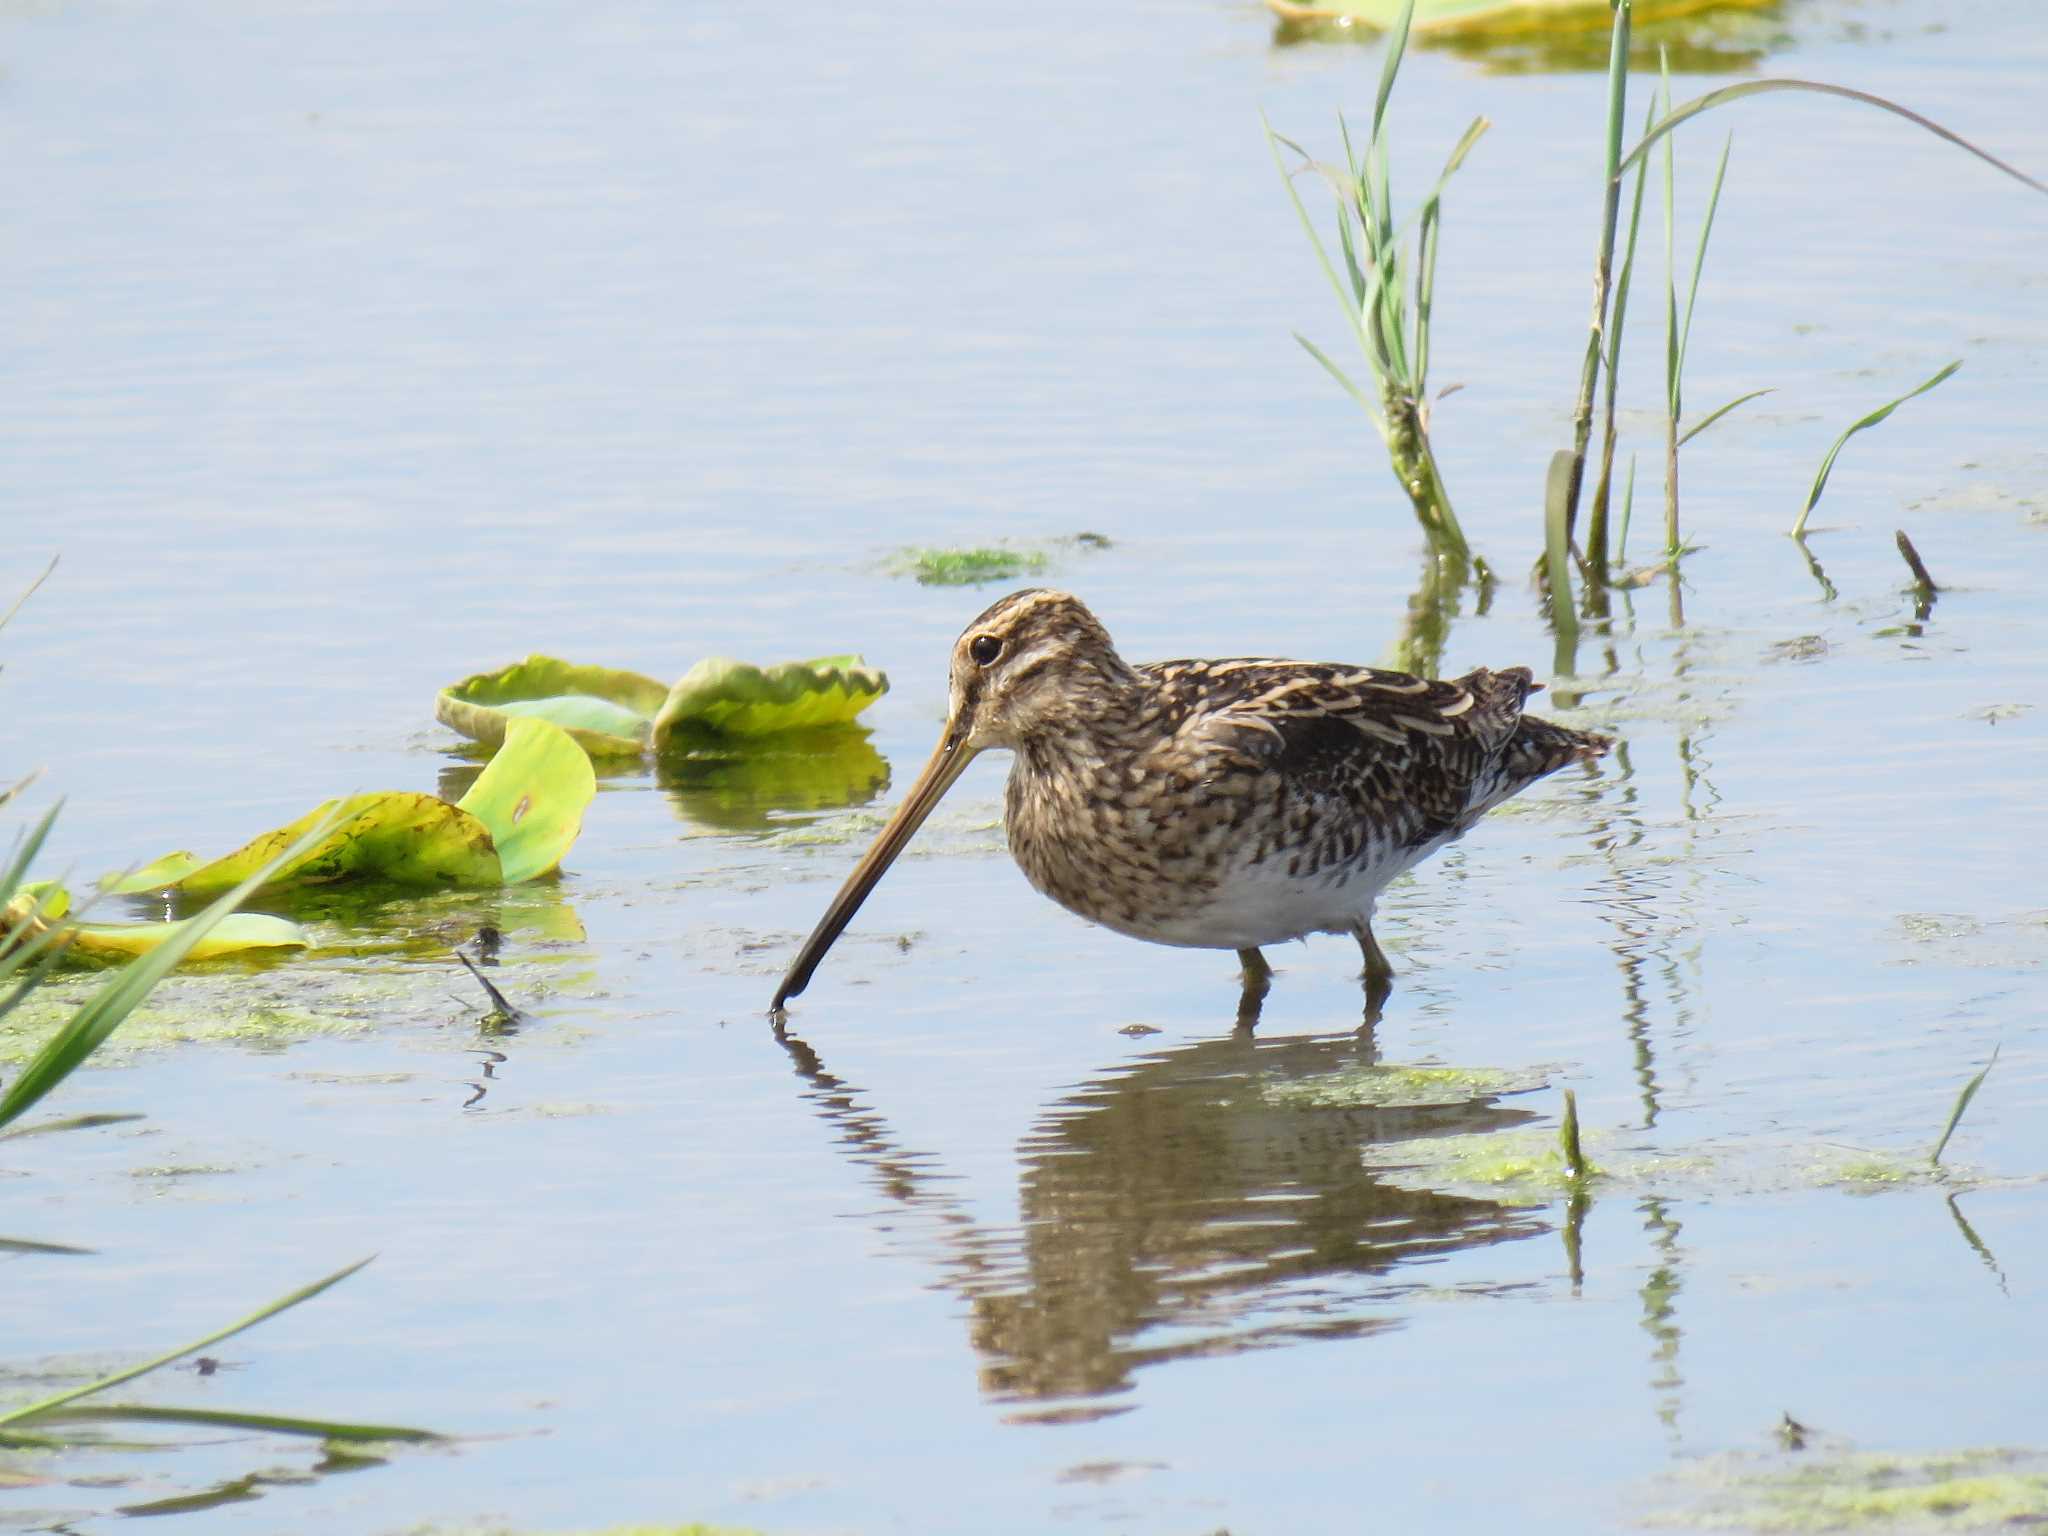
<point>354,349</point>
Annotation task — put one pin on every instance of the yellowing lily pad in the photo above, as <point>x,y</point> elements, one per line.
<point>532,798</point>
<point>517,821</point>
<point>1504,19</point>
<point>397,835</point>
<point>236,932</point>
<point>608,712</point>
<point>735,699</point>
<point>42,904</point>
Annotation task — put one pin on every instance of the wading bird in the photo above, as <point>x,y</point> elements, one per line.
<point>1213,804</point>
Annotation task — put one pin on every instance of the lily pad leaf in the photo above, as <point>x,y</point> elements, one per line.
<point>532,798</point>
<point>731,698</point>
<point>608,712</point>
<point>42,903</point>
<point>399,835</point>
<point>233,934</point>
<point>159,875</point>
<point>1494,18</point>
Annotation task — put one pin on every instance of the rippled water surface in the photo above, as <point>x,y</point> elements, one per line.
<point>353,349</point>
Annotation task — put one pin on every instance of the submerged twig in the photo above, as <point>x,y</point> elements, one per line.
<point>1923,583</point>
<point>502,1012</point>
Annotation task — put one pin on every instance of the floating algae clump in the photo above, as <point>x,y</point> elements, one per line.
<point>1972,1490</point>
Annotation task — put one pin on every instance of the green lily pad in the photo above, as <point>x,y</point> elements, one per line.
<point>731,698</point>
<point>532,798</point>
<point>516,822</point>
<point>608,712</point>
<point>621,714</point>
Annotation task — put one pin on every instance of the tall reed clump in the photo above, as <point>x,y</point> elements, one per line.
<point>1380,273</point>
<point>1597,564</point>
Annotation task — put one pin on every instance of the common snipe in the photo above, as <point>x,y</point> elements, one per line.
<point>1213,804</point>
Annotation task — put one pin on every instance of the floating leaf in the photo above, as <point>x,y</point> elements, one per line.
<point>735,699</point>
<point>1473,19</point>
<point>108,941</point>
<point>516,822</point>
<point>231,935</point>
<point>398,835</point>
<point>532,798</point>
<point>607,711</point>
<point>618,714</point>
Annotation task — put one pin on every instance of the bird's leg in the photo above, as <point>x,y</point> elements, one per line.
<point>1258,980</point>
<point>1379,975</point>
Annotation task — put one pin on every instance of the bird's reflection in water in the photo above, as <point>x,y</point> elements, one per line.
<point>1175,1207</point>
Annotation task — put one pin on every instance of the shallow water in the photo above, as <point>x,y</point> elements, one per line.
<point>354,350</point>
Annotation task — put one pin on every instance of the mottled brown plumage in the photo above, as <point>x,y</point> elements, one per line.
<point>1215,804</point>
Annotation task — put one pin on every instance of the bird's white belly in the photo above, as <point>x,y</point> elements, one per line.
<point>1263,904</point>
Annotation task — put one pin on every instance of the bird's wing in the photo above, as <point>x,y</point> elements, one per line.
<point>1409,752</point>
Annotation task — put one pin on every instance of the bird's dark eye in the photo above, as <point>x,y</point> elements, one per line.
<point>984,649</point>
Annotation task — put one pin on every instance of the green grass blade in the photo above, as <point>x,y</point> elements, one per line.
<point>1731,93</point>
<point>1397,45</point>
<point>1962,1103</point>
<point>1429,227</point>
<point>1671,379</point>
<point>1699,261</point>
<point>1273,142</point>
<point>1628,260</point>
<point>25,851</point>
<point>1342,378</point>
<point>1603,259</point>
<point>46,951</point>
<point>1350,248</point>
<point>69,1123</point>
<point>1827,465</point>
<point>1628,507</point>
<point>1575,1162</point>
<point>1713,416</point>
<point>270,1423</point>
<point>28,592</point>
<point>87,1029</point>
<point>36,1410</point>
<point>1557,549</point>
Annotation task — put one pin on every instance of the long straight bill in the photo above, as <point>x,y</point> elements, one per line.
<point>946,765</point>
